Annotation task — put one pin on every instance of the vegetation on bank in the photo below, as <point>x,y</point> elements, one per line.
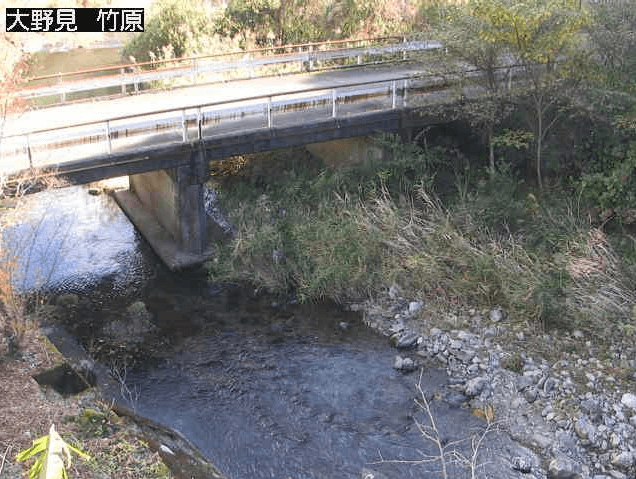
<point>177,28</point>
<point>534,215</point>
<point>346,235</point>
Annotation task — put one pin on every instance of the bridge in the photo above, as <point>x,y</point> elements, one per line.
<point>166,150</point>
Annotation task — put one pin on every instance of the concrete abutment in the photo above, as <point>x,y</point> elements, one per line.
<point>168,208</point>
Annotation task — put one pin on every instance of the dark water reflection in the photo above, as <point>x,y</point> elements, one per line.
<point>300,391</point>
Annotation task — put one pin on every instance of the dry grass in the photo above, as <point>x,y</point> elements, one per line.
<point>28,410</point>
<point>538,259</point>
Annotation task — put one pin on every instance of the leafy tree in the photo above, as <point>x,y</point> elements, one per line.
<point>377,17</point>
<point>295,21</point>
<point>178,26</point>
<point>544,38</point>
<point>274,21</point>
<point>461,32</point>
<point>541,39</point>
<point>613,34</point>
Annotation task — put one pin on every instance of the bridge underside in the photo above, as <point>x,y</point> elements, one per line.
<point>165,200</point>
<point>167,205</point>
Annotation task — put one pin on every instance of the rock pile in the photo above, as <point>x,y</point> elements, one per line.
<point>576,413</point>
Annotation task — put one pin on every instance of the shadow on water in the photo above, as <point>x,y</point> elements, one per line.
<point>262,389</point>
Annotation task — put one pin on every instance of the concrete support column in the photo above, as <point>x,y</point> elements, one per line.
<point>190,228</point>
<point>167,207</point>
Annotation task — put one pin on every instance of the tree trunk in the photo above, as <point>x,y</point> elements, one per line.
<point>539,161</point>
<point>539,142</point>
<point>491,153</point>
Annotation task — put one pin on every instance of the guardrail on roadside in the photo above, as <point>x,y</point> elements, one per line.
<point>305,55</point>
<point>54,146</point>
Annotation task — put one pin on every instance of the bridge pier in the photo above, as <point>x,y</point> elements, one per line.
<point>167,207</point>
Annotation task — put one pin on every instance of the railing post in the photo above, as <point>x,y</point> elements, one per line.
<point>406,86</point>
<point>311,61</point>
<point>29,152</point>
<point>393,95</point>
<point>123,82</point>
<point>194,71</point>
<point>108,145</point>
<point>334,97</point>
<point>199,123</point>
<point>269,112</point>
<point>184,126</point>
<point>135,80</point>
<point>60,81</point>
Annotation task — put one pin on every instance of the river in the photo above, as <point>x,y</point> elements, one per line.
<point>263,387</point>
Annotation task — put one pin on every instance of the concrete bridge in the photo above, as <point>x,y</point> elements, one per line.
<point>166,151</point>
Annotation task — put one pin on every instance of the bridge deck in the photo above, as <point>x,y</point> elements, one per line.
<point>64,115</point>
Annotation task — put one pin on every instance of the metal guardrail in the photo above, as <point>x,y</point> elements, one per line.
<point>54,146</point>
<point>307,55</point>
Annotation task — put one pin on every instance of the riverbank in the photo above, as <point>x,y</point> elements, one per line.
<point>563,392</point>
<point>119,444</point>
<point>527,304</point>
<point>553,392</point>
<point>28,410</point>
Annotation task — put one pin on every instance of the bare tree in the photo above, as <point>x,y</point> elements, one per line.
<point>448,453</point>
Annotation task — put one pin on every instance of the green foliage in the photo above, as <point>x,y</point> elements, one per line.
<point>50,452</point>
<point>612,34</point>
<point>400,167</point>
<point>533,31</point>
<point>276,22</point>
<point>175,28</point>
<point>616,186</point>
<point>543,39</point>
<point>513,139</point>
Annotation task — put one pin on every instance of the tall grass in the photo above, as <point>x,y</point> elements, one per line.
<point>348,235</point>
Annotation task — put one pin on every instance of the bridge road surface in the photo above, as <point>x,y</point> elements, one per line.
<point>65,115</point>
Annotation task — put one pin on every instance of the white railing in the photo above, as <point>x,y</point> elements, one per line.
<point>55,146</point>
<point>198,69</point>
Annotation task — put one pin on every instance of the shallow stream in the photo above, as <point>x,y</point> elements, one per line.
<point>264,388</point>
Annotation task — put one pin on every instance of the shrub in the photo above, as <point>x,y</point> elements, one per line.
<point>616,187</point>
<point>180,27</point>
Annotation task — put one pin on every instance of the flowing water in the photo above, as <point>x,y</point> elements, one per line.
<point>264,389</point>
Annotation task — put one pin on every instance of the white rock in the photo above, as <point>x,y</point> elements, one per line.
<point>623,459</point>
<point>495,315</point>
<point>393,291</point>
<point>404,364</point>
<point>475,386</point>
<point>629,400</point>
<point>415,306</point>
